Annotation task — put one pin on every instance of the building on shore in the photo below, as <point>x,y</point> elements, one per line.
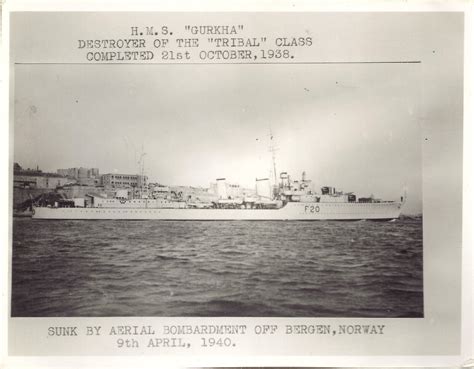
<point>36,178</point>
<point>113,180</point>
<point>28,183</point>
<point>76,190</point>
<point>83,176</point>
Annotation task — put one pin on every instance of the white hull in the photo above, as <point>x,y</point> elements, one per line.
<point>292,211</point>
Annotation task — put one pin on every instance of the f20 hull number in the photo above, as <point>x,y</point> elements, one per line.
<point>311,209</point>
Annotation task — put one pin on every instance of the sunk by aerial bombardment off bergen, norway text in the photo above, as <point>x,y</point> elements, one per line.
<point>206,335</point>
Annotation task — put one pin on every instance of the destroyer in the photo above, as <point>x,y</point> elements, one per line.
<point>287,200</point>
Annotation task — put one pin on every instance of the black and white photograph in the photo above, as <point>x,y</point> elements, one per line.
<point>247,165</point>
<point>298,194</point>
<point>218,190</point>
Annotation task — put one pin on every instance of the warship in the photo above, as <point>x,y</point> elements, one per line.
<point>286,199</point>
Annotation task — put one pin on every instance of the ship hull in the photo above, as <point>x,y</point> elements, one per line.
<point>292,211</point>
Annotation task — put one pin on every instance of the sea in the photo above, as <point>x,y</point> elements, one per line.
<point>95,268</point>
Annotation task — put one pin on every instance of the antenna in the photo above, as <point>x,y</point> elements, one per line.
<point>273,149</point>
<point>142,163</point>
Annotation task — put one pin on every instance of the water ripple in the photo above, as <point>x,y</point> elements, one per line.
<point>153,268</point>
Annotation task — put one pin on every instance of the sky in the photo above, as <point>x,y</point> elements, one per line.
<point>358,127</point>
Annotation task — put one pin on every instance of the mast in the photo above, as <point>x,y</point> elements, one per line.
<point>141,170</point>
<point>273,149</point>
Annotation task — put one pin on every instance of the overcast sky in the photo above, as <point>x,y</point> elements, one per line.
<point>355,127</point>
